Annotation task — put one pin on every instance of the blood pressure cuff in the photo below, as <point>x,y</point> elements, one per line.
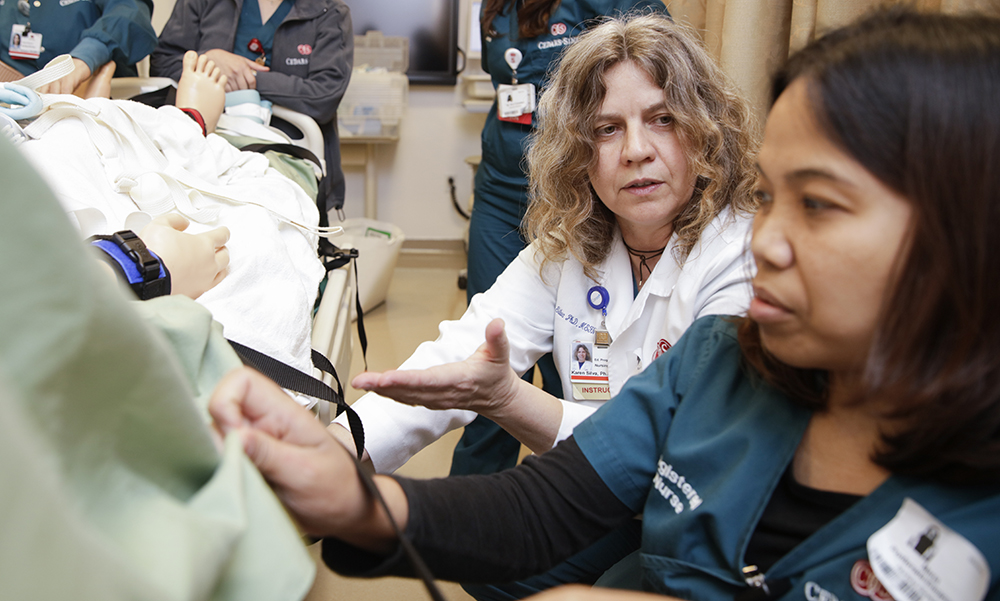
<point>133,263</point>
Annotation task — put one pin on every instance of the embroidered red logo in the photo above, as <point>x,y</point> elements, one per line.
<point>558,28</point>
<point>864,582</point>
<point>661,347</point>
<point>305,49</point>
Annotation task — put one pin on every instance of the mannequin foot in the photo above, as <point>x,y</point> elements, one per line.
<point>202,87</point>
<point>97,85</point>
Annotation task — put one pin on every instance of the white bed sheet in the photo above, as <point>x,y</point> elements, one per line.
<point>112,164</point>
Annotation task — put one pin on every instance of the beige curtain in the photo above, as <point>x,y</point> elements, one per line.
<point>751,38</point>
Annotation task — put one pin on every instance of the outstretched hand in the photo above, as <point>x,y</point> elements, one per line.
<point>310,472</point>
<point>197,262</point>
<point>483,383</point>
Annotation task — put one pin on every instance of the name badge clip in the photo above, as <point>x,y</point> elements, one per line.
<point>598,298</point>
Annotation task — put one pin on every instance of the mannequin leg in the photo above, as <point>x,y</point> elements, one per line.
<point>202,87</point>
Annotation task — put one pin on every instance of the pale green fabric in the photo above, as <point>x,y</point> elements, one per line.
<point>110,485</point>
<point>299,171</point>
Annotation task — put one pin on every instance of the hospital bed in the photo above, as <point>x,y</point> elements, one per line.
<point>311,135</point>
<point>328,332</point>
<point>331,334</point>
<point>331,326</point>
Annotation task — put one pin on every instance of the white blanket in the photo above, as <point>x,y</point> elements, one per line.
<point>116,164</point>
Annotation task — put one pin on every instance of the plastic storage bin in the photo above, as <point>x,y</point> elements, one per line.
<point>375,99</point>
<point>373,104</point>
<point>376,51</point>
<point>378,244</point>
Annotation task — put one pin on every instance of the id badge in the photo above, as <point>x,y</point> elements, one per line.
<point>24,45</point>
<point>588,371</point>
<point>516,103</point>
<point>915,556</point>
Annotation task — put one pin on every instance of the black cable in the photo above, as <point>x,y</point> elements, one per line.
<point>418,565</point>
<point>454,199</point>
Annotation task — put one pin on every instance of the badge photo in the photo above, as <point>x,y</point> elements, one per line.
<point>24,43</point>
<point>583,359</point>
<point>588,371</point>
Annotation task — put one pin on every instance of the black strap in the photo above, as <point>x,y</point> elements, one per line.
<point>361,324</point>
<point>334,258</point>
<point>323,364</point>
<point>290,149</point>
<point>163,97</point>
<point>288,377</point>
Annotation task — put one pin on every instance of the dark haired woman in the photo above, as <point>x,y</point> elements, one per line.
<point>807,450</point>
<point>530,36</point>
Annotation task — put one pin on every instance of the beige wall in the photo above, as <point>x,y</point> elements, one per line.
<point>436,136</point>
<point>161,12</point>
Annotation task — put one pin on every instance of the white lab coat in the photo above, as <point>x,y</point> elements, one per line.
<point>548,313</point>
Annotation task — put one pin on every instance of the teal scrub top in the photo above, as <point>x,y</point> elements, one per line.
<point>94,31</point>
<point>697,448</point>
<point>250,27</point>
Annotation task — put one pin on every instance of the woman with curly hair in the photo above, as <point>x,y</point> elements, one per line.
<point>642,179</point>
<point>522,40</point>
<point>641,193</point>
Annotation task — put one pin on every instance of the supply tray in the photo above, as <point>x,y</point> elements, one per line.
<point>376,97</point>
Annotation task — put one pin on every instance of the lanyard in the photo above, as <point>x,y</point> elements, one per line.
<point>598,298</point>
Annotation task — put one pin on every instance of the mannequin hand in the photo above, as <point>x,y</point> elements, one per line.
<point>68,83</point>
<point>197,262</point>
<point>483,383</point>
<point>578,592</point>
<point>309,471</point>
<point>240,72</point>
